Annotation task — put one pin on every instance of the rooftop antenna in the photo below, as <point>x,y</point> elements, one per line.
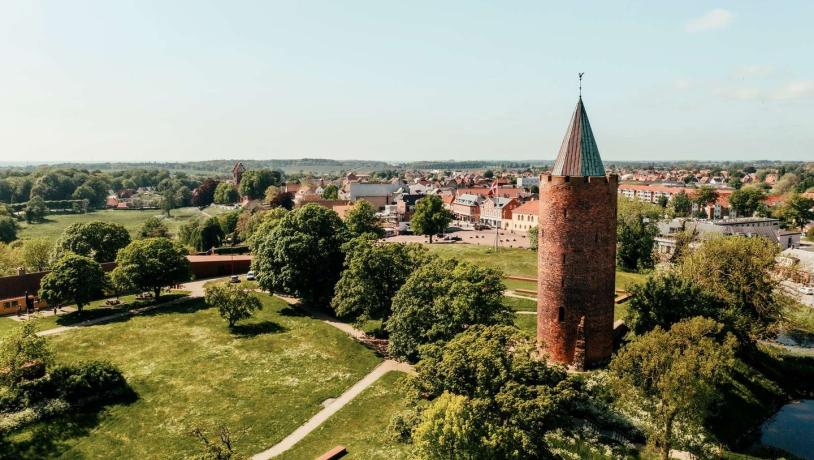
<point>580,84</point>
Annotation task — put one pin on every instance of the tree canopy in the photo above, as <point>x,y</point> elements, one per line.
<point>234,302</point>
<point>636,231</point>
<point>372,275</point>
<point>72,279</point>
<point>440,299</point>
<point>302,254</point>
<point>99,240</point>
<point>151,264</point>
<point>253,183</point>
<point>430,216</point>
<point>226,193</point>
<point>795,210</point>
<point>8,229</point>
<point>671,377</point>
<point>747,200</point>
<point>361,218</point>
<point>154,227</point>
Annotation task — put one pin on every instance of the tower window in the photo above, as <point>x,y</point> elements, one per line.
<point>565,213</point>
<point>561,314</point>
<point>563,258</point>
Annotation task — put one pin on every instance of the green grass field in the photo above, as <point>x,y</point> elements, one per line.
<point>361,426</point>
<point>262,380</point>
<point>131,220</point>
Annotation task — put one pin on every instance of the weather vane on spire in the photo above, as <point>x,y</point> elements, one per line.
<point>580,84</point>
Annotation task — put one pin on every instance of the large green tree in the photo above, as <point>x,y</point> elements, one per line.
<point>665,299</point>
<point>492,396</point>
<point>737,270</point>
<point>302,254</point>
<point>430,216</point>
<point>8,229</point>
<point>361,218</point>
<point>747,200</point>
<point>99,240</point>
<point>151,264</point>
<point>35,210</point>
<point>36,253</point>
<point>440,299</point>
<point>330,192</point>
<point>154,227</point>
<point>253,183</point>
<point>796,210</point>
<point>72,279</point>
<point>636,231</point>
<point>226,193</point>
<point>671,376</point>
<point>372,275</point>
<point>681,204</point>
<point>234,302</point>
<point>19,351</point>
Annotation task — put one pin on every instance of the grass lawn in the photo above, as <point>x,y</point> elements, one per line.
<point>95,309</point>
<point>262,380</point>
<point>361,426</point>
<point>517,304</point>
<point>131,220</point>
<point>514,261</point>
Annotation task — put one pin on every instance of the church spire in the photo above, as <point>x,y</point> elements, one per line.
<point>579,155</point>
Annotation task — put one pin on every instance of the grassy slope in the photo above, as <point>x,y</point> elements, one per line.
<point>361,426</point>
<point>262,380</point>
<point>131,220</point>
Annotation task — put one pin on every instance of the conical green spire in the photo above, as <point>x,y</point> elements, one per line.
<point>579,155</point>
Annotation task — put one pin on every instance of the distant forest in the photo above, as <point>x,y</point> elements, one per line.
<point>320,166</point>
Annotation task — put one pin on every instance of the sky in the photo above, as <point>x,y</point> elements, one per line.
<point>178,80</point>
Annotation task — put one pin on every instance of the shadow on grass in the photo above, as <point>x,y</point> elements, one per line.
<point>53,437</point>
<point>191,305</point>
<point>255,329</point>
<point>290,311</point>
<point>76,317</point>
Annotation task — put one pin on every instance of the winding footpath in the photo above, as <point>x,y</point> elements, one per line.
<point>334,406</point>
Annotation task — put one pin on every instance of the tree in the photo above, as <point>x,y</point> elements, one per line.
<point>747,200</point>
<point>705,196</point>
<point>796,210</point>
<point>636,231</point>
<point>271,192</point>
<point>330,192</point>
<point>226,193</point>
<point>737,270</point>
<point>228,223</point>
<point>169,201</point>
<point>253,183</point>
<point>681,204</point>
<point>489,174</point>
<point>154,227</point>
<point>493,396</point>
<point>21,351</point>
<point>8,229</point>
<point>430,216</point>
<point>72,279</point>
<point>151,264</point>
<point>665,299</point>
<point>220,449</point>
<point>234,302</point>
<point>663,200</point>
<point>85,192</point>
<point>210,235</point>
<point>36,253</point>
<point>440,299</point>
<point>302,255</point>
<point>99,240</point>
<point>372,275</point>
<point>534,233</point>
<point>260,222</point>
<point>671,375</point>
<point>361,218</point>
<point>35,210</point>
<point>785,184</point>
<point>283,200</point>
<point>204,194</point>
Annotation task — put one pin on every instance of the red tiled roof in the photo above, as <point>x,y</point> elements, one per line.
<point>529,207</point>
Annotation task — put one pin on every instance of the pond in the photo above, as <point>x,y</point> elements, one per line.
<point>795,338</point>
<point>791,429</point>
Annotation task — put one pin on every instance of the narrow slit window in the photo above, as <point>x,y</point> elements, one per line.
<point>561,314</point>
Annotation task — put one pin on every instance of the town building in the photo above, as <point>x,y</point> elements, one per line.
<point>496,212</point>
<point>525,217</point>
<point>577,251</point>
<point>466,207</point>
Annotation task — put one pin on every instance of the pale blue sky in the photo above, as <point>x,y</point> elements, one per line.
<point>189,80</point>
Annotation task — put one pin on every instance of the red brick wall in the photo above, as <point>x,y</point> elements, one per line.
<point>576,266</point>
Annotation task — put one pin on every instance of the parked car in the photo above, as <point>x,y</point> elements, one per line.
<point>807,290</point>
<point>234,279</point>
<point>250,276</point>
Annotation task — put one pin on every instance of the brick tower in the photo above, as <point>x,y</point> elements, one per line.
<point>577,252</point>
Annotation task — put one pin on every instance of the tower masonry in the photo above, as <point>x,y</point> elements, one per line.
<point>577,252</point>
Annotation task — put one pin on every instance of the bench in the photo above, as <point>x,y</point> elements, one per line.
<point>336,452</point>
